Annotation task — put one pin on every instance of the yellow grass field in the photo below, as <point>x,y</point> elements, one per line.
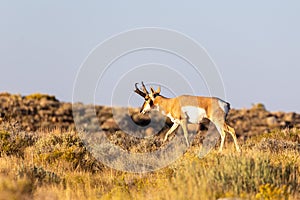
<point>56,165</point>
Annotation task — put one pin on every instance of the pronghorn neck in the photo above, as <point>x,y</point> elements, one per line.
<point>166,107</point>
<point>162,104</point>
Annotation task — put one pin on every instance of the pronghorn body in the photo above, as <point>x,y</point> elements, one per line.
<point>186,108</point>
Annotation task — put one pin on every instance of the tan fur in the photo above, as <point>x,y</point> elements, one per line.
<point>173,105</point>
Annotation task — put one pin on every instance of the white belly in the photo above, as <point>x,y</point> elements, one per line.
<point>194,114</point>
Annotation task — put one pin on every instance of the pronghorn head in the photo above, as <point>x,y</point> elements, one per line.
<point>149,97</point>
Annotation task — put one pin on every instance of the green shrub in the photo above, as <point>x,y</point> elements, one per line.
<point>270,192</point>
<point>37,175</point>
<point>66,147</point>
<point>39,96</point>
<point>232,175</point>
<point>258,106</point>
<point>14,143</point>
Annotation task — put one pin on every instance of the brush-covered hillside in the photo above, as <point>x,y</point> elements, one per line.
<point>42,155</point>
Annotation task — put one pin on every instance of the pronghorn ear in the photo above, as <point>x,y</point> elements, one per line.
<point>152,90</point>
<point>158,90</point>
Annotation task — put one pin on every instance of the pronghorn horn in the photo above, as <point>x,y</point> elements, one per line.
<point>138,91</point>
<point>158,90</point>
<point>155,92</point>
<point>144,88</point>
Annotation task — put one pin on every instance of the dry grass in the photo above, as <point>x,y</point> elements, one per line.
<point>56,165</point>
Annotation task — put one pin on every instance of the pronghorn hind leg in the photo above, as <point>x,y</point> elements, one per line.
<point>223,135</point>
<point>219,124</point>
<point>231,130</point>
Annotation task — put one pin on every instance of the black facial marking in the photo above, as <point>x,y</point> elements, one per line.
<point>142,107</point>
<point>151,103</point>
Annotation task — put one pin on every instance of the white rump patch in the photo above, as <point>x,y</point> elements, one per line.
<point>224,106</point>
<point>194,114</point>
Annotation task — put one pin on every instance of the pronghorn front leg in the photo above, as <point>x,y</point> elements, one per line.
<point>185,131</point>
<point>173,128</point>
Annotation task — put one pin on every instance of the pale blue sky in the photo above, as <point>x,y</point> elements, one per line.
<point>255,45</point>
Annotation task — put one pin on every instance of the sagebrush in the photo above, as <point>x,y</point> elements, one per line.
<point>56,165</point>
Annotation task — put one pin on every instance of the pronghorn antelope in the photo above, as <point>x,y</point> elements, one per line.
<point>186,108</point>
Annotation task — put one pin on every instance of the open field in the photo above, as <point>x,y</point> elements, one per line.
<point>55,164</point>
